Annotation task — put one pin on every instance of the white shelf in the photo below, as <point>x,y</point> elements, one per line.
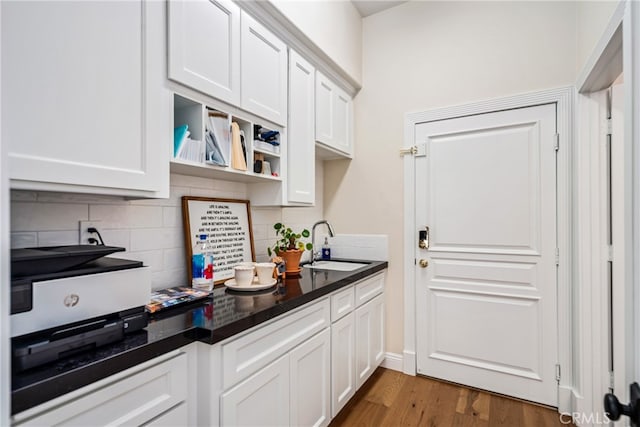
<point>218,172</point>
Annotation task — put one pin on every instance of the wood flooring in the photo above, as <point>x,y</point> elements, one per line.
<point>391,398</point>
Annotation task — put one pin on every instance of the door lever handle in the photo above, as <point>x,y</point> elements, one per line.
<point>614,409</point>
<point>423,238</point>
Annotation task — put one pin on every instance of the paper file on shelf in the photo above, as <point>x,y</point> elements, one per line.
<point>237,156</point>
<point>265,146</point>
<point>218,125</point>
<point>191,150</point>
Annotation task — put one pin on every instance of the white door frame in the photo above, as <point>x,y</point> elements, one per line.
<point>563,98</point>
<point>5,343</point>
<point>616,52</point>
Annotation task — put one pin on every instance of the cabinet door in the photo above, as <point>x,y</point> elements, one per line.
<point>300,141</point>
<point>310,377</point>
<point>204,47</point>
<point>333,117</point>
<point>260,400</point>
<point>263,72</point>
<point>325,92</point>
<point>343,385</point>
<point>84,102</point>
<point>342,112</point>
<point>369,338</point>
<point>134,400</point>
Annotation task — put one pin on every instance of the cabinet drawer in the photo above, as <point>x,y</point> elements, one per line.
<point>342,303</point>
<point>133,400</point>
<point>251,352</point>
<point>369,288</point>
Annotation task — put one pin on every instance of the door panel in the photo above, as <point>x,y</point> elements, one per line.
<point>486,304</point>
<point>471,169</point>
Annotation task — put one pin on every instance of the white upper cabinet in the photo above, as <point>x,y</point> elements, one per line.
<point>204,47</point>
<point>301,144</point>
<point>263,72</point>
<point>334,115</point>
<point>84,102</point>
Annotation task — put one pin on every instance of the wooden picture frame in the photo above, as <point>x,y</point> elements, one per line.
<point>227,222</point>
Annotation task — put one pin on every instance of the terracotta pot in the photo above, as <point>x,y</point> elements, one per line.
<point>291,259</point>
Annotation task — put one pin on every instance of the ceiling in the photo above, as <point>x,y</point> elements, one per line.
<point>369,7</point>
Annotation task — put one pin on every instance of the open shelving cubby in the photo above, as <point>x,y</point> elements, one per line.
<point>200,118</point>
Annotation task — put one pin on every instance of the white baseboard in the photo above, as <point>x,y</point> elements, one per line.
<point>409,362</point>
<point>392,361</point>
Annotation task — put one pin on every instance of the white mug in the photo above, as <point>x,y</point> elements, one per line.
<point>265,272</point>
<point>243,275</point>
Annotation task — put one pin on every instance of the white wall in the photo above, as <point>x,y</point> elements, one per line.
<point>425,55</point>
<point>151,230</point>
<point>334,26</point>
<point>592,18</point>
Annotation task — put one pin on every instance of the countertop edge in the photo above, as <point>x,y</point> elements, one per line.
<point>58,385</point>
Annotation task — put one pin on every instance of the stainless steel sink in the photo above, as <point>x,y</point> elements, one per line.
<point>335,265</point>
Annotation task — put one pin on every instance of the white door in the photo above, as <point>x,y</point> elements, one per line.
<point>486,312</point>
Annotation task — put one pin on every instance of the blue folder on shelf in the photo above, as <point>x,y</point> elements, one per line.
<point>180,134</point>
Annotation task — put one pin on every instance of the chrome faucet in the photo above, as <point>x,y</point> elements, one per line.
<point>316,254</point>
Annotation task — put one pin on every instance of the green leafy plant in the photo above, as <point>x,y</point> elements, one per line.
<point>288,239</point>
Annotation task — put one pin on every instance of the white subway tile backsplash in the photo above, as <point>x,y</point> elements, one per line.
<point>58,238</point>
<point>128,216</point>
<point>262,232</point>
<point>174,258</point>
<point>169,278</point>
<point>143,239</point>
<point>374,247</point>
<point>171,216</point>
<point>153,259</point>
<point>150,230</point>
<point>35,216</point>
<point>266,216</point>
<point>24,240</point>
<point>116,237</point>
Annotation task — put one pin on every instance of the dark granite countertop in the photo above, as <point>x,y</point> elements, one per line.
<point>211,320</point>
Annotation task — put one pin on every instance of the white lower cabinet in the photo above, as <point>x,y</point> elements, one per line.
<point>260,400</point>
<point>278,374</point>
<point>156,392</point>
<point>310,373</point>
<point>369,320</point>
<point>343,379</point>
<point>357,337</point>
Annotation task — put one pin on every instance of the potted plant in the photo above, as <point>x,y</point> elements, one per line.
<point>289,247</point>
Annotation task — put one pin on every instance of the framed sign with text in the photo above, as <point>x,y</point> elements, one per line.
<point>227,224</point>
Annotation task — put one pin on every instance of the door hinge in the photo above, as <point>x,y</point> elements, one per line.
<point>557,256</point>
<point>556,144</point>
<point>609,126</point>
<point>611,381</point>
<point>610,253</point>
<point>558,372</point>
